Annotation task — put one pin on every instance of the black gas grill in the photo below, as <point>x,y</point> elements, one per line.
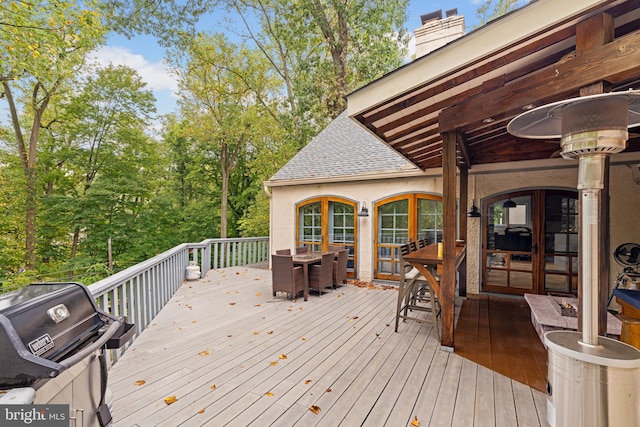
<point>48,328</point>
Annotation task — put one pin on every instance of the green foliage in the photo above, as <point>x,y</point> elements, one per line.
<point>79,139</point>
<point>492,9</point>
<point>11,215</point>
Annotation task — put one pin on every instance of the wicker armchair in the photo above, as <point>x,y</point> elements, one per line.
<point>285,277</point>
<point>283,252</point>
<point>302,250</point>
<point>340,267</point>
<point>321,275</point>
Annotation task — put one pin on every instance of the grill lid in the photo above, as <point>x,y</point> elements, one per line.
<point>41,326</point>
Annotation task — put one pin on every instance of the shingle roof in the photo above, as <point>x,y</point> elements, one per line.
<point>343,148</point>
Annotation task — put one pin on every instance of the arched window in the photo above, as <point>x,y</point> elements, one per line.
<point>400,219</point>
<point>325,221</point>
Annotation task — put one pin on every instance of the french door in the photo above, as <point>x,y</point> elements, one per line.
<point>324,221</point>
<point>530,242</point>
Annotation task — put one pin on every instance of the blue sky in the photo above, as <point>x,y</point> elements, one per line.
<point>144,55</point>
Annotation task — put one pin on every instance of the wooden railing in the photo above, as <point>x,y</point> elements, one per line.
<point>139,292</point>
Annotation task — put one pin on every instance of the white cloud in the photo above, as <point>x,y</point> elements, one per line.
<point>155,74</point>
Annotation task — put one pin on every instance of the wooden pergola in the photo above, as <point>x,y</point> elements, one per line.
<point>450,108</point>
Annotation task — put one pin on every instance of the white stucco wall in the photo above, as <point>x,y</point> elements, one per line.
<point>284,199</point>
<point>624,209</point>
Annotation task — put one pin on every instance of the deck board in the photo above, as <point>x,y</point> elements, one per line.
<point>341,355</point>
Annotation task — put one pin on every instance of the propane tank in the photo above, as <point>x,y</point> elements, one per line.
<point>193,271</point>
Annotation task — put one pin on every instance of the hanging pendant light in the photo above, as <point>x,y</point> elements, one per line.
<point>509,204</point>
<point>474,212</point>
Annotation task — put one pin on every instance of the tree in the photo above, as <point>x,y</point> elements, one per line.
<point>323,49</point>
<point>92,131</point>
<point>46,43</point>
<point>492,9</point>
<point>225,90</point>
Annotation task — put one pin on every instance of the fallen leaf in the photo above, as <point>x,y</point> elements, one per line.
<point>268,394</point>
<point>328,390</point>
<point>213,386</point>
<point>259,294</point>
<point>269,333</point>
<point>355,317</point>
<point>193,321</point>
<point>255,332</point>
<point>415,422</point>
<point>232,303</point>
<point>257,305</point>
<point>229,336</point>
<point>283,356</point>
<point>201,411</point>
<point>315,409</point>
<point>303,339</point>
<point>205,352</point>
<point>273,363</point>
<point>139,382</point>
<point>300,308</point>
<point>307,381</point>
<point>181,328</point>
<point>169,400</point>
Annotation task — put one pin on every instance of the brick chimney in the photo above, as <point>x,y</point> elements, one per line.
<point>437,31</point>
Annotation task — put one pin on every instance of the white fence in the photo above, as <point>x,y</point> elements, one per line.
<point>139,292</point>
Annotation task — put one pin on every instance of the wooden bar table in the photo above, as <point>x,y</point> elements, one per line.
<point>426,260</point>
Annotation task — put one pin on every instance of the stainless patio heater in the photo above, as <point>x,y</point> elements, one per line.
<point>592,380</point>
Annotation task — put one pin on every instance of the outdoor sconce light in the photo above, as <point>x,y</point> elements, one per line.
<point>509,204</point>
<point>364,211</point>
<point>474,212</point>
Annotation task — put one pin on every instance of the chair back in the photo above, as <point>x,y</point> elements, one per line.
<point>281,267</point>
<point>321,276</point>
<point>284,276</point>
<point>302,250</point>
<point>413,246</point>
<point>422,243</point>
<point>340,266</point>
<point>405,249</point>
<point>405,267</point>
<point>332,248</point>
<point>283,252</point>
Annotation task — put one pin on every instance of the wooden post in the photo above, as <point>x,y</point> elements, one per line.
<point>464,208</point>
<point>590,34</point>
<point>448,279</point>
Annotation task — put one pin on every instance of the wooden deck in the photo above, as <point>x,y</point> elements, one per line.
<point>232,354</point>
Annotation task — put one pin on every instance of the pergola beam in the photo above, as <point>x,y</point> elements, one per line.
<point>613,62</point>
